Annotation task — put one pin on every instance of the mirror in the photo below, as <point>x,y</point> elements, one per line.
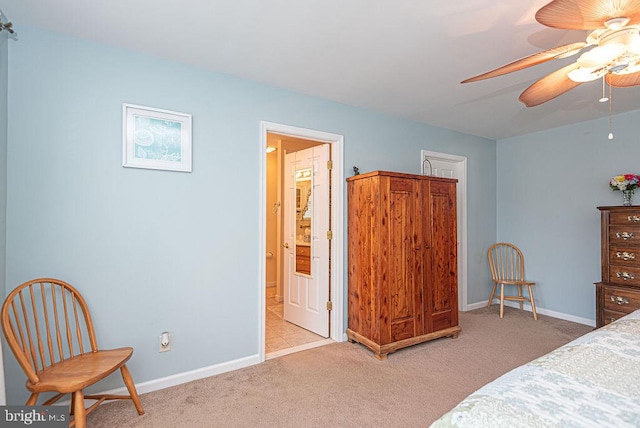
<point>304,209</point>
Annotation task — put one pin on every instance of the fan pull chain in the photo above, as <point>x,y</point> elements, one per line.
<point>604,98</point>
<point>610,112</point>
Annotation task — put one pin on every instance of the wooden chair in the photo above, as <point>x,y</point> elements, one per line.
<point>507,268</point>
<point>48,327</point>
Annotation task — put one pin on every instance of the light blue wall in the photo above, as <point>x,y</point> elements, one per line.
<point>549,185</point>
<point>4,86</point>
<point>4,95</point>
<point>154,250</point>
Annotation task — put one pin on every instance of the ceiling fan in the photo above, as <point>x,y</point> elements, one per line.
<point>611,50</point>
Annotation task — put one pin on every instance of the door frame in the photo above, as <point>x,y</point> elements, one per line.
<point>336,276</point>
<point>460,163</point>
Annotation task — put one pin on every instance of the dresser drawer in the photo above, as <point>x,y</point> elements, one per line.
<point>625,218</point>
<point>624,255</point>
<point>303,250</point>
<point>624,234</point>
<point>303,265</point>
<point>611,316</point>
<point>624,275</point>
<point>621,300</point>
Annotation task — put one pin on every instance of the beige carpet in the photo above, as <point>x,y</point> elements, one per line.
<point>343,385</point>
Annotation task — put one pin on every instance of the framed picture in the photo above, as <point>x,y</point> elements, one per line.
<point>156,139</point>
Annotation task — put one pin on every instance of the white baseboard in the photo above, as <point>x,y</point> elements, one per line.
<point>478,305</point>
<point>527,307</point>
<point>180,378</point>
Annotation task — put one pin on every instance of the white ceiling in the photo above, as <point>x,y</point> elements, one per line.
<point>401,57</point>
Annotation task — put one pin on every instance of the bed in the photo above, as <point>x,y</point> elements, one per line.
<point>592,381</point>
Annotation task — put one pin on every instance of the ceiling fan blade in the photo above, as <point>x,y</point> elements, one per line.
<point>587,14</point>
<point>624,80</point>
<point>549,87</point>
<point>530,61</point>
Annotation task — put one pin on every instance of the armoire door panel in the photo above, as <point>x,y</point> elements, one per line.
<point>441,254</point>
<point>402,277</point>
<point>444,266</point>
<point>361,310</point>
<point>442,320</point>
<point>402,329</point>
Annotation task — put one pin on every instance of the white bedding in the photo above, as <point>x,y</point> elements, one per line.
<point>593,381</point>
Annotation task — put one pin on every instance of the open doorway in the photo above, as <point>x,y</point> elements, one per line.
<point>301,299</point>
<point>297,263</point>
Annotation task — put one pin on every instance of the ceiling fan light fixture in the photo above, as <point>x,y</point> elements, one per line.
<point>626,37</point>
<point>634,45</point>
<point>584,74</point>
<point>616,23</point>
<point>594,36</point>
<point>601,56</point>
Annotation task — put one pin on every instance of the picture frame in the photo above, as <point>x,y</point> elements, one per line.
<point>155,139</point>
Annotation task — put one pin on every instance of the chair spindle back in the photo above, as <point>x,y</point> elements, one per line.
<point>506,262</point>
<point>46,321</point>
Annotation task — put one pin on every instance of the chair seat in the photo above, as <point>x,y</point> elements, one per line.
<point>514,282</point>
<point>80,371</point>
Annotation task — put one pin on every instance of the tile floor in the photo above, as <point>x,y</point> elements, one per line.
<point>281,334</point>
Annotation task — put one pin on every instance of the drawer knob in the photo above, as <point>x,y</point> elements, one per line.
<point>625,275</point>
<point>634,218</point>
<point>624,235</point>
<point>625,255</point>
<point>619,300</point>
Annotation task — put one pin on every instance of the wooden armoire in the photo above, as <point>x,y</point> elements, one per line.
<point>403,267</point>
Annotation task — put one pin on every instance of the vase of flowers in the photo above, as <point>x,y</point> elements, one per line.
<point>626,183</point>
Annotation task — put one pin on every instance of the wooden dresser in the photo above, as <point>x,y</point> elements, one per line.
<point>403,268</point>
<point>618,293</point>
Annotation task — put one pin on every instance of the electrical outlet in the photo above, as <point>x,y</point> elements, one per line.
<point>164,342</point>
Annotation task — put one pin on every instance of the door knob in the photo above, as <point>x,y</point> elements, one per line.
<point>285,245</point>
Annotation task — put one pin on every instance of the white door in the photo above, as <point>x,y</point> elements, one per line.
<point>453,166</point>
<point>306,252</point>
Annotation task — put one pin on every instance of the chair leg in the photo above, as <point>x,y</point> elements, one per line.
<point>533,304</point>
<point>493,293</point>
<point>33,398</point>
<point>131,387</point>
<point>520,295</point>
<point>501,300</point>
<point>79,412</point>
